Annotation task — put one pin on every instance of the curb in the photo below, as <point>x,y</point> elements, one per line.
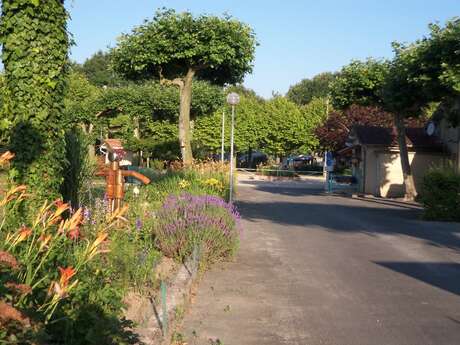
<point>157,318</point>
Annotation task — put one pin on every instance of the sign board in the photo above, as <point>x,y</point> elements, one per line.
<point>328,162</point>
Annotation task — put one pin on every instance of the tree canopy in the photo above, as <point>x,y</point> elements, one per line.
<point>359,82</point>
<point>97,70</point>
<point>178,47</point>
<point>220,50</point>
<point>307,89</point>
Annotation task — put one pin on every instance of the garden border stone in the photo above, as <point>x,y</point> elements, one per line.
<point>147,312</point>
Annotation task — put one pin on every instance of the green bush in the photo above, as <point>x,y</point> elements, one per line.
<point>441,195</point>
<point>274,170</point>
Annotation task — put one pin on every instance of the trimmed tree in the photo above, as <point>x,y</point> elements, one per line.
<point>35,45</point>
<point>423,72</point>
<point>389,86</point>
<point>307,89</point>
<point>176,48</point>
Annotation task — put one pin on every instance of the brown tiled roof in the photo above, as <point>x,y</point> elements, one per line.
<point>415,137</point>
<point>114,144</point>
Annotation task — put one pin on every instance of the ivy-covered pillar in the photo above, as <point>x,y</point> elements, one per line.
<point>35,43</point>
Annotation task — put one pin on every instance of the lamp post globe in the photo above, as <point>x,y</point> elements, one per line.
<point>233,99</point>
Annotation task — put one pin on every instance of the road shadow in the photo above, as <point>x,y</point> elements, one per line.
<point>443,275</point>
<point>289,188</point>
<point>339,214</point>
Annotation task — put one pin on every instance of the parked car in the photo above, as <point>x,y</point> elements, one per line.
<point>256,158</point>
<point>297,162</point>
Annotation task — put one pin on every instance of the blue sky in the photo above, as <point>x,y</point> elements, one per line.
<point>298,39</point>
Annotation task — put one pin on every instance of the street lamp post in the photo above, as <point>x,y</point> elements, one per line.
<point>233,99</point>
<point>223,137</point>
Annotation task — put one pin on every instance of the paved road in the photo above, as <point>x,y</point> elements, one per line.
<point>318,269</point>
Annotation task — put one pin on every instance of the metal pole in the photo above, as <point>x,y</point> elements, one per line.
<point>223,137</point>
<point>231,156</point>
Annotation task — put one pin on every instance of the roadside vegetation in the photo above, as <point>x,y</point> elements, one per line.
<point>65,272</point>
<point>440,194</point>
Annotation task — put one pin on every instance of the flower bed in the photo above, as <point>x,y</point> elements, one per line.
<point>65,273</point>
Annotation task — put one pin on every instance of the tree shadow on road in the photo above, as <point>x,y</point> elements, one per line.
<point>340,214</point>
<point>443,275</point>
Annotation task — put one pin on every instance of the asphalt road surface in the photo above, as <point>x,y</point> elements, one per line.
<point>321,269</point>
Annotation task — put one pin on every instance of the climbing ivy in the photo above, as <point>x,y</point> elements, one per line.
<point>35,42</point>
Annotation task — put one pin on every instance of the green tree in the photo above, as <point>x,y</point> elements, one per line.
<point>97,70</point>
<point>359,82</point>
<point>35,42</point>
<point>250,117</point>
<point>307,89</point>
<point>423,72</point>
<point>178,47</point>
<point>316,111</point>
<point>81,104</point>
<point>288,130</point>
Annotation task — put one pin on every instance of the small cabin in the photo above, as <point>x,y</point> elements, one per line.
<point>373,153</point>
<point>116,145</point>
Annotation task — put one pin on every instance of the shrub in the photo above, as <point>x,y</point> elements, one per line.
<point>274,170</point>
<point>157,164</point>
<point>441,195</point>
<point>206,222</point>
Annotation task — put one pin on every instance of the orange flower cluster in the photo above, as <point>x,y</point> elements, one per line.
<point>6,157</point>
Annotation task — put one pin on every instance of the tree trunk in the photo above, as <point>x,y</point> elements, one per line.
<point>184,118</point>
<point>88,130</point>
<point>409,184</point>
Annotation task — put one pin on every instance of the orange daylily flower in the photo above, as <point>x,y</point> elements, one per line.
<point>11,194</point>
<point>61,208</point>
<point>66,274</point>
<point>24,233</point>
<point>44,239</point>
<point>74,234</point>
<point>6,157</point>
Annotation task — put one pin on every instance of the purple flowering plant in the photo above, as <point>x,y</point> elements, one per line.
<point>187,221</point>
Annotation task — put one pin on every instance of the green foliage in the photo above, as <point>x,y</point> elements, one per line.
<point>288,129</point>
<point>275,127</point>
<point>97,70</point>
<point>178,47</point>
<point>153,109</point>
<point>307,89</point>
<point>220,49</point>
<point>35,45</point>
<point>274,170</point>
<point>440,195</point>
<point>249,130</point>
<point>425,71</point>
<point>316,111</point>
<point>58,280</point>
<point>81,100</point>
<point>359,82</point>
<point>79,169</point>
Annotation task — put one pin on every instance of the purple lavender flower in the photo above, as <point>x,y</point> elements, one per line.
<point>138,224</point>
<point>86,214</point>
